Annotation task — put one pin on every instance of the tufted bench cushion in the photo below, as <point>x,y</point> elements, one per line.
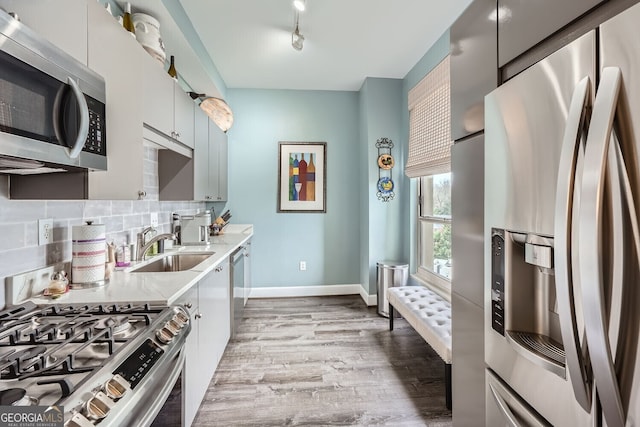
<point>428,313</point>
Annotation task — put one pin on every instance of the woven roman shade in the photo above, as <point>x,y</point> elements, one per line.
<point>429,124</point>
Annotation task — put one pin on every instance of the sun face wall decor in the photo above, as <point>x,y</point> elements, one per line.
<point>385,168</point>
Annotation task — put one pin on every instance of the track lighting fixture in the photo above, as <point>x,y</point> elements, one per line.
<point>297,39</point>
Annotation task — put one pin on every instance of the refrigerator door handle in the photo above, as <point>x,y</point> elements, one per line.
<point>504,407</point>
<point>566,277</point>
<point>590,261</point>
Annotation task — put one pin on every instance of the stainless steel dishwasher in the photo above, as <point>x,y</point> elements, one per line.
<point>237,287</point>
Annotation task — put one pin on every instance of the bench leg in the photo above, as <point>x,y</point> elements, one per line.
<point>447,380</point>
<point>390,317</point>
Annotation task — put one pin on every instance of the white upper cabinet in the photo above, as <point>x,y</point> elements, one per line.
<point>209,160</point>
<point>115,55</point>
<point>45,17</point>
<point>167,108</point>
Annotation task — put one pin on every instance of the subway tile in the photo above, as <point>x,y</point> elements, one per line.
<point>64,209</point>
<point>97,208</point>
<point>13,236</point>
<point>134,221</point>
<point>121,207</point>
<point>57,252</point>
<point>21,260</point>
<point>22,210</point>
<point>113,224</point>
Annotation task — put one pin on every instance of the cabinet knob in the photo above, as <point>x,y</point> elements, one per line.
<point>141,194</point>
<point>219,269</point>
<point>198,316</point>
<point>177,135</point>
<point>188,305</point>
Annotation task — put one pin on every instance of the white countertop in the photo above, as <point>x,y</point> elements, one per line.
<point>157,288</point>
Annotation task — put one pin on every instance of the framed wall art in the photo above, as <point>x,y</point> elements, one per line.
<point>302,177</point>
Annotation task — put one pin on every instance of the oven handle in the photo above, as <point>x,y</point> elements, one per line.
<point>174,372</point>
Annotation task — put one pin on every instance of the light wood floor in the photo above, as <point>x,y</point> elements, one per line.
<point>324,361</point>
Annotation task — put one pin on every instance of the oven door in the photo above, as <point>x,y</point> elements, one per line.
<point>160,400</point>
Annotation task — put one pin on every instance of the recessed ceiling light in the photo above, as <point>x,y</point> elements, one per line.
<point>300,5</point>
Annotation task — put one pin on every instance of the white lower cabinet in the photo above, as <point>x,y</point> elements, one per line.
<point>209,305</point>
<point>190,375</point>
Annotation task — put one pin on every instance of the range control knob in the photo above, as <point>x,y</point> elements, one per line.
<point>164,335</point>
<point>98,406</point>
<point>116,387</point>
<point>181,317</point>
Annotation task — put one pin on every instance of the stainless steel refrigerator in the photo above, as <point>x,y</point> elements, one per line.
<point>562,240</point>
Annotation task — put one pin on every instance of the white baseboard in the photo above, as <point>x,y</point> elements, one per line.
<point>313,291</point>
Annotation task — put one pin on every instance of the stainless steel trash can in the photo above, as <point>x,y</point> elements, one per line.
<point>389,274</point>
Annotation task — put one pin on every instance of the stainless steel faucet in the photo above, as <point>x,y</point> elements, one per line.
<point>144,247</point>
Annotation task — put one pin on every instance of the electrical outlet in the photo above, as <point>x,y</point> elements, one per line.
<point>154,219</point>
<point>45,231</point>
<point>303,265</point>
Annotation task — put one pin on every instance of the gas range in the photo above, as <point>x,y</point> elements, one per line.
<point>108,364</point>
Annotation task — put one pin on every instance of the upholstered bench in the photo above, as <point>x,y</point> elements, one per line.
<point>430,315</point>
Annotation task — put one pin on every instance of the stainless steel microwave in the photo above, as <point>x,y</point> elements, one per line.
<point>52,107</point>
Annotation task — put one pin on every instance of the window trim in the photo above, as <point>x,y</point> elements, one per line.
<point>423,273</point>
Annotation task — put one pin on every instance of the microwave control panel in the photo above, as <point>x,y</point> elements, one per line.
<point>96,139</point>
<point>497,280</point>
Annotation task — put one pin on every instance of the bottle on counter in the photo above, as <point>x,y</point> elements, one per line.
<point>123,256</point>
<point>127,22</point>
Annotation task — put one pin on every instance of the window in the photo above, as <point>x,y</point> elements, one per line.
<point>434,229</point>
<point>429,162</point>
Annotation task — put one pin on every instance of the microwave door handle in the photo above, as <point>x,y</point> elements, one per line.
<point>590,228</point>
<point>83,128</point>
<point>567,277</point>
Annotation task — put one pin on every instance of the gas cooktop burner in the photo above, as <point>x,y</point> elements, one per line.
<point>120,325</point>
<point>91,358</point>
<point>17,397</point>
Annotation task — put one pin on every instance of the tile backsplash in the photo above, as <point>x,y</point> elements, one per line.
<point>19,249</point>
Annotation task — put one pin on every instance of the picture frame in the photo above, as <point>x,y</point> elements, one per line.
<point>302,177</point>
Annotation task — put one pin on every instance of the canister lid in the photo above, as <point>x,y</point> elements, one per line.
<point>393,264</point>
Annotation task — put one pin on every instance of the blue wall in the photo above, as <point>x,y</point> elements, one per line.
<point>343,245</point>
<point>383,232</point>
<point>330,242</point>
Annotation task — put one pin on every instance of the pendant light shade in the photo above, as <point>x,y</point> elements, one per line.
<point>217,110</point>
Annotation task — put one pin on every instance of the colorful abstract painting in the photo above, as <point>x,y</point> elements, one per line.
<point>301,177</point>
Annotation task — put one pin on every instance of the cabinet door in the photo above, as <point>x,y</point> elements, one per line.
<point>218,162</point>
<point>214,303</point>
<point>157,89</point>
<point>115,55</point>
<point>522,24</point>
<point>183,116</point>
<point>62,22</point>
<point>201,190</point>
<point>474,68</point>
<point>191,374</point>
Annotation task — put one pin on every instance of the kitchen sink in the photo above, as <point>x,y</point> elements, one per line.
<point>175,262</point>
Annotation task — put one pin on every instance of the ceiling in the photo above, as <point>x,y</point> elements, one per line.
<point>249,41</point>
